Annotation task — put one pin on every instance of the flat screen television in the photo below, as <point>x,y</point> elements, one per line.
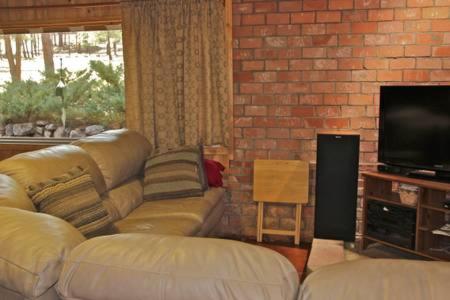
<point>414,128</point>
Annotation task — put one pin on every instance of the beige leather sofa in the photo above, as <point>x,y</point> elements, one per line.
<point>150,256</point>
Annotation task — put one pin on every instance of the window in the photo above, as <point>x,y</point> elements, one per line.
<point>62,85</point>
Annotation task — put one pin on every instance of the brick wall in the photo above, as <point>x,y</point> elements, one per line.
<point>305,66</point>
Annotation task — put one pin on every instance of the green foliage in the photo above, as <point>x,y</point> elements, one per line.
<point>91,96</point>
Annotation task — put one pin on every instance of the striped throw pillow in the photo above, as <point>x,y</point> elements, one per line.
<point>174,174</point>
<point>73,197</point>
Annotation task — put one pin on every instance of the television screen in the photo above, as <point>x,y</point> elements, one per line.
<point>414,127</point>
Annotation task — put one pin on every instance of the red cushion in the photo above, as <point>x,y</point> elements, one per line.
<point>213,172</point>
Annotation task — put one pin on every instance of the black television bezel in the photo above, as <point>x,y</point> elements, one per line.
<point>381,154</point>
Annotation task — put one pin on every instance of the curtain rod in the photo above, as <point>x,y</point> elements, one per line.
<point>80,5</point>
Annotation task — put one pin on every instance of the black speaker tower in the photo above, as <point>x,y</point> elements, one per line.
<point>336,186</point>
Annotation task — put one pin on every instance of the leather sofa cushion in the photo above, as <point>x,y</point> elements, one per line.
<point>197,208</point>
<point>14,195</point>
<point>124,198</point>
<point>141,266</point>
<point>32,248</point>
<point>169,225</point>
<point>40,165</point>
<point>373,279</point>
<point>120,154</point>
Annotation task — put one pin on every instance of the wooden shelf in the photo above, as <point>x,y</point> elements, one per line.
<point>391,202</point>
<point>430,214</point>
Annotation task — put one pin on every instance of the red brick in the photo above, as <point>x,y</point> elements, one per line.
<point>348,87</point>
<point>394,26</point>
<point>264,30</point>
<point>376,39</point>
<point>339,52</point>
<point>350,63</point>
<point>242,99</point>
<point>314,52</point>
<point>392,3</point>
<point>289,6</point>
<point>290,122</point>
<point>253,19</point>
<point>302,111</point>
<point>373,63</point>
<point>255,154</point>
<point>339,75</point>
<point>435,13</point>
<point>323,87</point>
<point>299,41</point>
<point>310,99</point>
<point>354,16</point>
<point>340,4</point>
<point>407,14</point>
<point>288,53</point>
<point>443,51</point>
<point>277,65</point>
<point>278,133</point>
<point>253,65</point>
<point>337,123</point>
<point>335,99</point>
<point>353,111</point>
<point>239,54</point>
<point>367,3</point>
<point>243,76</point>
<point>366,146</point>
<point>390,51</point>
<point>403,38</point>
<point>314,123</point>
<point>280,111</point>
<point>370,87</point>
<point>265,76</point>
<point>289,76</point>
<point>416,75</point>
<point>360,99</point>
<point>262,99</point>
<point>266,53</point>
<point>253,110</point>
<point>440,25</point>
<point>324,40</point>
<point>286,99</point>
<point>243,122</point>
<point>314,76</point>
<point>302,133</point>
<point>389,75</point>
<point>429,63</point>
<point>265,7</point>
<point>325,64</point>
<point>364,75</point>
<point>288,30</point>
<point>242,8</point>
<point>275,42</point>
<point>338,28</point>
<point>300,64</point>
<point>402,63</point>
<point>381,15</point>
<point>279,18</point>
<point>298,87</point>
<point>420,3</point>
<point>430,38</point>
<point>442,3</point>
<point>440,75</point>
<point>310,29</point>
<point>254,133</point>
<point>302,17</point>
<point>250,43</point>
<point>328,111</point>
<point>288,144</point>
<point>265,144</point>
<point>242,31</point>
<point>364,122</point>
<point>350,40</point>
<point>446,63</point>
<point>264,122</point>
<point>275,88</point>
<point>417,26</point>
<point>364,27</point>
<point>364,51</point>
<point>251,88</point>
<point>314,5</point>
<point>414,50</point>
<point>328,16</point>
<point>243,143</point>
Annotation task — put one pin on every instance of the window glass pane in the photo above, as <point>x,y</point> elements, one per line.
<point>67,84</point>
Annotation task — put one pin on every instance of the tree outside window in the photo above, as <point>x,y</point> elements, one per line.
<point>63,85</point>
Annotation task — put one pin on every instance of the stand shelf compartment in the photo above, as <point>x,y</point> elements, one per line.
<point>429,214</point>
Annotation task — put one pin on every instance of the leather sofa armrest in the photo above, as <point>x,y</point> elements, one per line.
<point>32,249</point>
<point>147,266</point>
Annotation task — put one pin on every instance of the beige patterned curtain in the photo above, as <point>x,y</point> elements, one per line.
<point>176,71</point>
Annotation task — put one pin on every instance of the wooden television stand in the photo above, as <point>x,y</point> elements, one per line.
<point>382,188</point>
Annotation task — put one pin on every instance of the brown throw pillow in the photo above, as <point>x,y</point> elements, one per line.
<point>73,197</point>
<point>176,173</point>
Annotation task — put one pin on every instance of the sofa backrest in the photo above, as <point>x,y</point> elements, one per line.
<point>13,194</point>
<point>41,165</point>
<point>119,154</point>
